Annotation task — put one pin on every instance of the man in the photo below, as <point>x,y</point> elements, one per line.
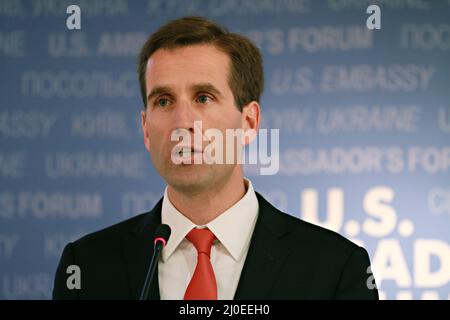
<point>227,241</point>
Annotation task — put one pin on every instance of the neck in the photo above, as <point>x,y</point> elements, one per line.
<point>204,207</point>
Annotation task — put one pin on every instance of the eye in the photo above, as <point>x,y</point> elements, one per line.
<point>203,98</point>
<point>162,102</point>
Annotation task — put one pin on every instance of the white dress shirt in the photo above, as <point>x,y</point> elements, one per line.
<point>233,230</point>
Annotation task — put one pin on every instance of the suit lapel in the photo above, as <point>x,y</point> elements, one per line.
<point>138,251</point>
<point>267,253</point>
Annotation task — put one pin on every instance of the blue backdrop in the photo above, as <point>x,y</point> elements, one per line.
<point>364,119</point>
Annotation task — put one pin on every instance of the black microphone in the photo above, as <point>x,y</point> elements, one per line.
<point>162,235</point>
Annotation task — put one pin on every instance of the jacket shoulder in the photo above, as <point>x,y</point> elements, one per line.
<point>302,232</point>
<point>110,236</point>
<point>321,236</point>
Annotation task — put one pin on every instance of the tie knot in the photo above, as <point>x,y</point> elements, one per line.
<point>202,239</point>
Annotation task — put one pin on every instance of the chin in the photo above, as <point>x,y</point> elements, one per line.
<point>188,180</point>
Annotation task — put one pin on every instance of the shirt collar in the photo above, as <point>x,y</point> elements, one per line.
<point>240,219</point>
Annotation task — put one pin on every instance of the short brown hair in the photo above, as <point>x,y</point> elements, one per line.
<point>246,78</point>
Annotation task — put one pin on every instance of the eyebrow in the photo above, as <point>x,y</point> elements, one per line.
<point>158,90</point>
<point>207,87</point>
<point>199,87</point>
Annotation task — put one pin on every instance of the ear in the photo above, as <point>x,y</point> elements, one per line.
<point>251,114</point>
<point>144,124</point>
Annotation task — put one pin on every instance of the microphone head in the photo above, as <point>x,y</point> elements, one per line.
<point>162,234</point>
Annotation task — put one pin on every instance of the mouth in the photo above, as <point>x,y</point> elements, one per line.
<point>186,151</point>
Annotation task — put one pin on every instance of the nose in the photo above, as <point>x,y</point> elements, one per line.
<point>184,116</point>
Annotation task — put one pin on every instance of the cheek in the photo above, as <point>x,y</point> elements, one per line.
<point>152,134</point>
<point>228,117</point>
<point>156,136</point>
<point>233,121</point>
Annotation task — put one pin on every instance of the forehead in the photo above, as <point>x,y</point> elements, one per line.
<point>188,65</point>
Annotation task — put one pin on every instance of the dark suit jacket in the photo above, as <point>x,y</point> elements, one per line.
<point>288,259</point>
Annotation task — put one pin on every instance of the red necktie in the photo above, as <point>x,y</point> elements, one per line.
<point>203,284</point>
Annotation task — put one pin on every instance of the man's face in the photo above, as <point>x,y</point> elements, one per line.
<point>185,85</point>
